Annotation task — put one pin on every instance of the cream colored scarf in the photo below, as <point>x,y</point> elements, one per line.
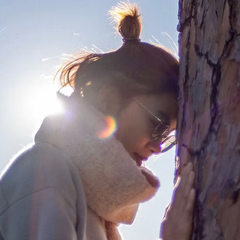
<point>114,185</point>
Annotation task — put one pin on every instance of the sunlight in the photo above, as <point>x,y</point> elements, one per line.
<point>41,101</point>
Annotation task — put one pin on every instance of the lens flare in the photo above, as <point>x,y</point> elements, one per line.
<point>111,127</point>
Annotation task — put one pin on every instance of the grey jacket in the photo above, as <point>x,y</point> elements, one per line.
<point>42,198</point>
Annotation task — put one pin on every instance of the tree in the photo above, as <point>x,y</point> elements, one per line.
<point>209,118</point>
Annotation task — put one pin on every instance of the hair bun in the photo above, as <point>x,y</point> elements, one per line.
<point>128,20</point>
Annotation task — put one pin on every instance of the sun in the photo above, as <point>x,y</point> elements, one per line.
<point>41,101</point>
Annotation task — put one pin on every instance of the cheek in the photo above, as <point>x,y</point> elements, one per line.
<point>133,130</point>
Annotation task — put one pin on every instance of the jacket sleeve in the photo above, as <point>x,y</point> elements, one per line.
<point>41,194</point>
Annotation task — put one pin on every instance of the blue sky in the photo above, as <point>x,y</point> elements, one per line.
<point>34,35</point>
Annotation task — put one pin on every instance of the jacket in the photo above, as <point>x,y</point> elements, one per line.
<point>41,197</point>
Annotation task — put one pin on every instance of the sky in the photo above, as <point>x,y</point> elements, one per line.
<point>35,37</point>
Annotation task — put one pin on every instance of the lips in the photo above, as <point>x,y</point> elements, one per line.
<point>138,159</point>
<point>152,180</point>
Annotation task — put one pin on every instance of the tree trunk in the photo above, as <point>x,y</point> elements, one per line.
<point>209,116</point>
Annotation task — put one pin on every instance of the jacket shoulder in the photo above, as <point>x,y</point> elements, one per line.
<point>40,167</point>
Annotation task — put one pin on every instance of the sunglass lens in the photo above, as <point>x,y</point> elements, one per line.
<point>159,133</point>
<point>168,143</point>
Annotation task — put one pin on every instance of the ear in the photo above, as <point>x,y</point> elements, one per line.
<point>109,100</point>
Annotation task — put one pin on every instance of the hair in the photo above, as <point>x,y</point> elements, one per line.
<point>135,68</point>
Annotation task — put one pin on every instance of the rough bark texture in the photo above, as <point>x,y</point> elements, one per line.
<point>209,118</point>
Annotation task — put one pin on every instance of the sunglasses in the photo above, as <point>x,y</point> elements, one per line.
<point>161,132</point>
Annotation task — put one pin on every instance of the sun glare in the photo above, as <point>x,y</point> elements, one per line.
<point>41,102</point>
<point>110,128</point>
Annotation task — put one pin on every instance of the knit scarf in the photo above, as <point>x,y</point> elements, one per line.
<point>113,183</point>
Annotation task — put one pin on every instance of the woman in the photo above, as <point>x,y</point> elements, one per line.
<point>83,176</point>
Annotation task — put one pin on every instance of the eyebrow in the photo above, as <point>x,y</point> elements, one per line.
<point>163,116</point>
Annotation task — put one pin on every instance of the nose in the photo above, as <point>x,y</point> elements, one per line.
<point>155,147</point>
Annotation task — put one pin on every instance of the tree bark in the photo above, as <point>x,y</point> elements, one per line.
<point>209,112</point>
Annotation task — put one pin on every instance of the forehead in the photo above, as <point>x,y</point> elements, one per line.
<point>163,105</point>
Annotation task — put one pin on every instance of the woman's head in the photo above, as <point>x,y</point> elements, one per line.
<point>113,81</point>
